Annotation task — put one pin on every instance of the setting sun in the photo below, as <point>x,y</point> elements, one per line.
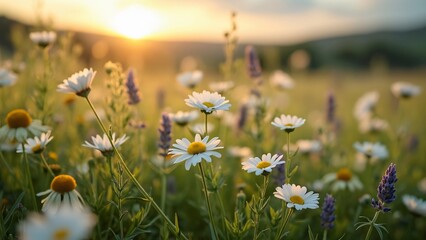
<point>136,22</point>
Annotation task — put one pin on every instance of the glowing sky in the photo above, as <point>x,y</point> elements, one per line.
<point>259,21</point>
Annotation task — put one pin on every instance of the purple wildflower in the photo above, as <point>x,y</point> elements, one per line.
<point>331,108</point>
<point>279,177</point>
<point>252,63</point>
<point>132,90</point>
<point>165,134</point>
<point>386,190</point>
<point>327,214</point>
<point>242,119</point>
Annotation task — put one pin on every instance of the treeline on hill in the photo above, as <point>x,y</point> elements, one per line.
<point>396,49</point>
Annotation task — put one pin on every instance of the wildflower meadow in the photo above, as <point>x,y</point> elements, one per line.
<point>112,150</point>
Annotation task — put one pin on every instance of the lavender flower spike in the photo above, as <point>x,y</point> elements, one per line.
<point>252,63</point>
<point>327,214</point>
<point>386,190</point>
<point>165,134</point>
<point>331,108</point>
<point>132,89</point>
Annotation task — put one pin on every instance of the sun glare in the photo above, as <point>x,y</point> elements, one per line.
<point>136,22</point>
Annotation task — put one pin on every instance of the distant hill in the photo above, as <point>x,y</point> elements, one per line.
<point>398,49</point>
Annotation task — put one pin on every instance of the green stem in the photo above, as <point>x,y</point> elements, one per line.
<point>370,229</point>
<point>222,208</point>
<point>132,177</point>
<point>205,126</point>
<point>110,167</point>
<point>29,179</point>
<point>324,236</point>
<point>259,209</point>
<point>163,191</point>
<point>288,160</point>
<point>284,224</point>
<point>43,159</point>
<point>206,195</point>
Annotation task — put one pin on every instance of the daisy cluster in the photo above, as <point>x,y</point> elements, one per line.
<point>262,173</point>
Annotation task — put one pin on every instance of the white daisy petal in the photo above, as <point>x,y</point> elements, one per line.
<point>194,152</point>
<point>296,197</point>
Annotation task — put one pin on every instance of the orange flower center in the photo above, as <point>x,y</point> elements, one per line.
<point>344,174</point>
<point>63,184</point>
<point>18,118</point>
<point>289,125</point>
<point>263,164</point>
<point>37,149</point>
<point>196,148</point>
<point>61,234</point>
<point>297,200</point>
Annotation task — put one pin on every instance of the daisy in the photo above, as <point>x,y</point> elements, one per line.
<point>62,195</point>
<point>282,80</point>
<point>103,144</point>
<point>71,225</point>
<point>405,90</point>
<point>79,83</point>
<point>193,152</point>
<point>207,102</point>
<point>44,38</point>
<point>190,79</point>
<point>262,166</point>
<point>372,150</point>
<point>183,118</point>
<point>240,152</point>
<point>221,87</point>
<point>372,125</point>
<point>287,122</point>
<point>296,196</point>
<point>19,124</point>
<point>308,146</point>
<point>414,204</point>
<point>36,145</point>
<point>343,179</point>
<point>6,78</point>
<point>365,104</point>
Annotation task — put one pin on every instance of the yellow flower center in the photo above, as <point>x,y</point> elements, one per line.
<point>344,174</point>
<point>63,184</point>
<point>196,148</point>
<point>61,234</point>
<point>53,156</point>
<point>297,200</point>
<point>37,149</point>
<point>263,164</point>
<point>18,118</point>
<point>289,125</point>
<point>208,104</point>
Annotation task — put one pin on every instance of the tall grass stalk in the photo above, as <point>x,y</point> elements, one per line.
<point>133,178</point>
<point>372,223</point>
<point>289,212</point>
<point>29,179</point>
<point>260,207</point>
<point>206,195</point>
<point>43,159</point>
